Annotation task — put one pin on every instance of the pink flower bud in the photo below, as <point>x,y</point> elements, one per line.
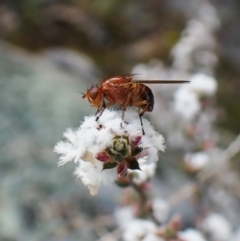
<point>135,140</point>
<point>122,168</point>
<point>175,223</point>
<point>102,156</point>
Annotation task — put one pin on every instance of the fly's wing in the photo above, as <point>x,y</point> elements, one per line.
<point>161,81</point>
<point>155,82</point>
<point>115,81</point>
<point>117,88</point>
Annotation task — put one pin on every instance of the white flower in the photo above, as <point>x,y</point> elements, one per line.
<point>208,14</point>
<point>147,171</point>
<point>139,230</point>
<point>217,227</point>
<point>187,97</point>
<point>195,31</point>
<point>181,53</point>
<point>196,161</point>
<point>160,209</point>
<point>191,235</point>
<point>124,215</point>
<point>186,102</point>
<point>203,84</point>
<point>152,237</point>
<point>92,175</point>
<point>92,146</point>
<point>196,46</point>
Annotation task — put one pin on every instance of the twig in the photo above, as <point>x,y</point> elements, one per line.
<point>232,149</point>
<point>143,200</point>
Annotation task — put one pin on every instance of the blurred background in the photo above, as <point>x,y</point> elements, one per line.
<point>52,50</point>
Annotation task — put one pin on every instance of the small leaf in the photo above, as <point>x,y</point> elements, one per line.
<point>135,140</point>
<point>109,165</point>
<point>137,150</point>
<point>169,233</point>
<point>118,158</point>
<point>124,138</point>
<point>111,152</point>
<point>122,168</point>
<point>102,156</point>
<point>121,145</point>
<point>133,165</point>
<point>114,155</point>
<point>142,154</point>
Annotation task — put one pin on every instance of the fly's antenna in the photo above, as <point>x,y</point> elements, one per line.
<point>81,92</point>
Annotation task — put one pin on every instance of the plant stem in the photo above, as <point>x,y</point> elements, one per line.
<point>144,200</point>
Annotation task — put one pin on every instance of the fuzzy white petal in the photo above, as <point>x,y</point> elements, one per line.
<point>217,227</point>
<point>191,235</point>
<point>186,102</point>
<point>147,171</point>
<point>161,209</point>
<point>196,161</point>
<point>203,84</point>
<point>137,229</point>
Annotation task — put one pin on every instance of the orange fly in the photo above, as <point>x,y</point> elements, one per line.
<point>124,91</point>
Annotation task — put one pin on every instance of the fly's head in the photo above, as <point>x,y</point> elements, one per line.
<point>94,96</point>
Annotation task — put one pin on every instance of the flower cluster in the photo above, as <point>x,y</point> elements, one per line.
<point>108,148</point>
<point>188,99</point>
<point>195,162</point>
<point>195,50</point>
<point>146,230</point>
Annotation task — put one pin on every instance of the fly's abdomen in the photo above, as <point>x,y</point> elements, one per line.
<point>142,94</point>
<point>148,96</point>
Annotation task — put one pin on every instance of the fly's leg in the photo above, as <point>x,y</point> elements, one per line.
<point>123,112</point>
<point>100,110</point>
<point>140,117</point>
<point>129,96</point>
<point>140,113</point>
<point>104,106</point>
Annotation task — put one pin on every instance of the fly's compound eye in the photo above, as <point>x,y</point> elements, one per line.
<point>93,93</point>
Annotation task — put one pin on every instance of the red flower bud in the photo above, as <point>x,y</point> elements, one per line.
<point>102,156</point>
<point>122,168</point>
<point>135,140</point>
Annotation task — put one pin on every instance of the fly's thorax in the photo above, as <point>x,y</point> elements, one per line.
<point>116,89</point>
